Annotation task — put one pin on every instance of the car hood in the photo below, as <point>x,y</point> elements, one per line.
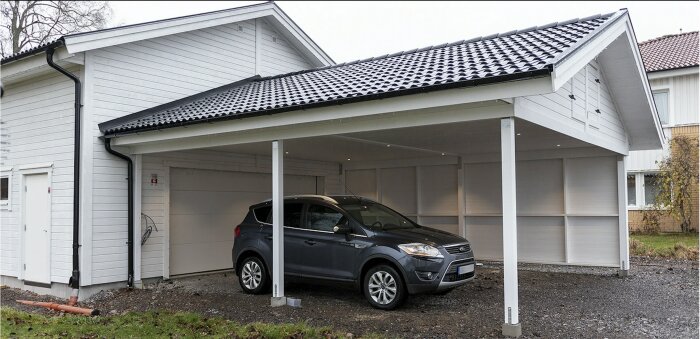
<point>424,235</point>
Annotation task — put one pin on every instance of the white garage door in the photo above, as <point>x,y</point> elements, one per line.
<point>205,207</point>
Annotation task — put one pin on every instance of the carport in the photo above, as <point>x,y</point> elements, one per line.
<point>515,141</point>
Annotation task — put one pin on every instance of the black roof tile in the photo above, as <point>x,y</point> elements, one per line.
<point>512,55</point>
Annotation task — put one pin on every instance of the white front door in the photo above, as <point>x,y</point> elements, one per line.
<point>36,209</point>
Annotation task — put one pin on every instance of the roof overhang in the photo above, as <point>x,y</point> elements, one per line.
<point>35,65</point>
<point>676,72</point>
<point>269,10</point>
<point>618,54</point>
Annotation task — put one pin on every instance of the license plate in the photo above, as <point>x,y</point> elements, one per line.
<point>465,269</point>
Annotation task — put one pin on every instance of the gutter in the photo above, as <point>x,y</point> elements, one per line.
<point>74,280</point>
<point>130,208</point>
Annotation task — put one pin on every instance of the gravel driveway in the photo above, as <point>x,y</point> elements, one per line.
<point>658,299</point>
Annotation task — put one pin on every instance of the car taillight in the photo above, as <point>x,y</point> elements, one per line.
<point>237,232</point>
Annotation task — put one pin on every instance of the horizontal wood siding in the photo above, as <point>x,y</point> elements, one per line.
<point>36,126</point>
<point>131,77</point>
<point>278,56</point>
<point>154,197</point>
<point>574,106</point>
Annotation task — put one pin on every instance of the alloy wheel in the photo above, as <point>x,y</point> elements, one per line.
<point>382,287</point>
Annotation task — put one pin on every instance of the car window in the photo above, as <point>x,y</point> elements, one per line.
<point>322,218</point>
<point>292,214</point>
<point>378,216</point>
<point>263,214</point>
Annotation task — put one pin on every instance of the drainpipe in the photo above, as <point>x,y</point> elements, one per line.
<point>130,208</point>
<point>74,280</point>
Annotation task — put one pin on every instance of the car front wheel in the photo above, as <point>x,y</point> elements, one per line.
<point>253,276</point>
<point>384,288</point>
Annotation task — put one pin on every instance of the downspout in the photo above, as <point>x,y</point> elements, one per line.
<point>130,208</point>
<point>74,280</point>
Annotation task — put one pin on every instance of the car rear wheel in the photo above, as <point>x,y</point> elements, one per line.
<point>384,288</point>
<point>253,276</point>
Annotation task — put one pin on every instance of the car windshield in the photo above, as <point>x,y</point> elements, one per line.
<point>378,216</point>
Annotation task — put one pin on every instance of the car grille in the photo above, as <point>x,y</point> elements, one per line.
<point>451,273</point>
<point>457,249</point>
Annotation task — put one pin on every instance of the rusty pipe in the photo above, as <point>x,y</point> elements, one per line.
<point>60,307</point>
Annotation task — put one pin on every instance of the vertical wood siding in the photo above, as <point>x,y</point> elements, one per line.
<point>684,111</point>
<point>131,77</point>
<point>37,124</point>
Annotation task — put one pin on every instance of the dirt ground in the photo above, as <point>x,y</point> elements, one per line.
<point>658,299</point>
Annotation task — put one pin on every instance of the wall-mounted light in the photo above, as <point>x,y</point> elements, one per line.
<point>558,145</point>
<point>518,134</point>
<point>442,153</point>
<point>348,159</point>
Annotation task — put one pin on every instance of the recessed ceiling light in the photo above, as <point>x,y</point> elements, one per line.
<point>518,134</point>
<point>387,145</point>
<point>348,159</point>
<point>442,153</point>
<point>558,145</point>
<point>286,152</point>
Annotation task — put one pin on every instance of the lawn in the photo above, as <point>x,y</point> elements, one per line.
<point>19,324</point>
<point>665,245</point>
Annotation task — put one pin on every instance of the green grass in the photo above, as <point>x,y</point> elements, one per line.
<point>19,324</point>
<point>665,245</point>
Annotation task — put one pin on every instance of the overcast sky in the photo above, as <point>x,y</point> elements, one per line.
<point>355,30</point>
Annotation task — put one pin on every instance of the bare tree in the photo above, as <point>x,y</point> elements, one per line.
<point>27,24</point>
<point>678,181</point>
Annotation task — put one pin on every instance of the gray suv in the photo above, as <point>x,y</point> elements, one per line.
<point>352,240</point>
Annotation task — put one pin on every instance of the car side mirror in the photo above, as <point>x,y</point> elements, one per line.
<point>342,228</point>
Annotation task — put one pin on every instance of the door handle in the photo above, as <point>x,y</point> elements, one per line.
<point>310,242</point>
<point>268,237</point>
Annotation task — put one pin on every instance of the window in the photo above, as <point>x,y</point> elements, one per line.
<point>322,218</point>
<point>263,214</point>
<point>377,216</point>
<point>292,214</point>
<point>631,190</point>
<point>651,188</point>
<point>5,190</point>
<point>662,106</point>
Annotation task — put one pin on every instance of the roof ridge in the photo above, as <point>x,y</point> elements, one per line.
<point>667,36</point>
<point>417,50</point>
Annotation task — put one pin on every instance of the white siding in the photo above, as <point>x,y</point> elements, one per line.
<point>577,116</point>
<point>426,194</point>
<point>37,125</point>
<point>684,97</point>
<point>155,197</point>
<point>564,205</point>
<point>131,77</point>
<point>278,56</point>
<point>684,110</point>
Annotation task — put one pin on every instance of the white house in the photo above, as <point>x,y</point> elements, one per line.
<point>515,140</point>
<point>671,62</point>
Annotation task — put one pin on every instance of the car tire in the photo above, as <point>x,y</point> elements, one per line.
<point>383,287</point>
<point>253,276</point>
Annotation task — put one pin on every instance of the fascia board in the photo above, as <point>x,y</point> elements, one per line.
<point>564,71</point>
<point>89,41</point>
<point>694,70</point>
<point>541,85</point>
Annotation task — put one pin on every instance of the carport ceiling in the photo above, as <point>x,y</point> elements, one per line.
<point>475,137</point>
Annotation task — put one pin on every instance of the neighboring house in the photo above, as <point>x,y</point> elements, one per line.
<point>671,62</point>
<point>515,140</point>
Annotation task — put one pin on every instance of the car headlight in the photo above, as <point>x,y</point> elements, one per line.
<point>421,250</point>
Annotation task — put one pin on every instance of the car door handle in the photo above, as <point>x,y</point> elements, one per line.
<point>310,242</point>
<point>268,237</point>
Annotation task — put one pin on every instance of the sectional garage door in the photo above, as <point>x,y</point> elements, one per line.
<point>206,205</point>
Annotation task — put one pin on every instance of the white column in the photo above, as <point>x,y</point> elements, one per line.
<point>622,216</point>
<point>278,298</point>
<point>511,326</point>
<point>138,166</point>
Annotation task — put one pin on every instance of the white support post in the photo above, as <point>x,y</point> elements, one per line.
<point>622,216</point>
<point>461,198</point>
<point>511,325</point>
<point>138,166</point>
<point>278,298</point>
